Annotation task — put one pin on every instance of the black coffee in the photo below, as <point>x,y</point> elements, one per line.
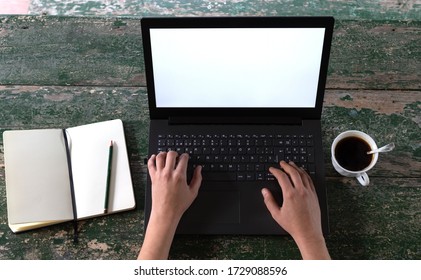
<point>351,153</point>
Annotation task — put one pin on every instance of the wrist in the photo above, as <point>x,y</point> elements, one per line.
<point>158,237</point>
<point>166,221</point>
<point>313,247</point>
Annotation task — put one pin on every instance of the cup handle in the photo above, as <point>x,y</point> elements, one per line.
<point>363,179</point>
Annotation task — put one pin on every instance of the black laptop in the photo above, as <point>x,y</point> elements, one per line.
<point>239,95</point>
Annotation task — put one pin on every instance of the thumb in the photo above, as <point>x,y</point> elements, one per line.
<point>270,202</point>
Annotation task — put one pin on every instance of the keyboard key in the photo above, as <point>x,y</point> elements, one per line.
<point>260,176</point>
<point>250,177</point>
<point>241,176</point>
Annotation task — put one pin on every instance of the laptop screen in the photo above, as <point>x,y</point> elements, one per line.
<point>236,67</point>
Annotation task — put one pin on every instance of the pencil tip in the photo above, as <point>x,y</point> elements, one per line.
<point>111,142</point>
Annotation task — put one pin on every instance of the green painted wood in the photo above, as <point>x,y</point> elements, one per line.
<point>64,51</point>
<point>375,55</point>
<point>37,50</point>
<point>344,9</point>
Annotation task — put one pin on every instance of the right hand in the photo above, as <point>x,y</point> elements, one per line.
<point>299,214</point>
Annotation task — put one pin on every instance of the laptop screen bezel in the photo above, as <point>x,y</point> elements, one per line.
<point>236,22</point>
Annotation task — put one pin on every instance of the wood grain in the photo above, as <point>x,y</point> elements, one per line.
<point>45,50</point>
<point>344,9</point>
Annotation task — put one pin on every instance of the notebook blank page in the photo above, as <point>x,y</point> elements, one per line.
<point>37,178</point>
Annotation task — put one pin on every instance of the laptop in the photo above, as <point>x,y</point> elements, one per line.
<point>239,94</point>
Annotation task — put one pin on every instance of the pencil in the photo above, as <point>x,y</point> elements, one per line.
<point>107,190</point>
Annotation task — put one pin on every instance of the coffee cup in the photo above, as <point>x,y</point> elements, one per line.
<point>349,155</point>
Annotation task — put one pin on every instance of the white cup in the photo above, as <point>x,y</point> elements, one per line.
<point>361,175</point>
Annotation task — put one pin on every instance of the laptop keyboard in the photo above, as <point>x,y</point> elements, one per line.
<point>241,157</point>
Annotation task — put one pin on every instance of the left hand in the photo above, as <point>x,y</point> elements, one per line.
<point>171,195</point>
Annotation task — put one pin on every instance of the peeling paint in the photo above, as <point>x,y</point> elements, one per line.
<point>388,102</point>
<point>94,244</point>
<point>363,9</point>
<point>59,97</point>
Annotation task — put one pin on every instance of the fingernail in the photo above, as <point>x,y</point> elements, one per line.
<point>264,192</point>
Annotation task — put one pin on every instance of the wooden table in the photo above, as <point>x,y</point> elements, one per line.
<point>67,71</point>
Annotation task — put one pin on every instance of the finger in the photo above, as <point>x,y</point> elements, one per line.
<point>270,202</point>
<point>160,160</point>
<point>171,160</point>
<point>283,180</point>
<point>293,174</point>
<point>196,180</point>
<point>182,163</point>
<point>304,178</point>
<point>151,164</point>
<point>310,181</point>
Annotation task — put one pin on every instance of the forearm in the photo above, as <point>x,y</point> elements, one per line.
<point>158,239</point>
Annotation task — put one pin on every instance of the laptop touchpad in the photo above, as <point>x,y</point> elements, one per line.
<point>215,206</point>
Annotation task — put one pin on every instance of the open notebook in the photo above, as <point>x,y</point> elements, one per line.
<point>38,187</point>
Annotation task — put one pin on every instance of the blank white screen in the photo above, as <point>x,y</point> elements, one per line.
<point>236,67</point>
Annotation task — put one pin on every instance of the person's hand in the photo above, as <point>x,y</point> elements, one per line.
<point>300,211</point>
<point>171,197</point>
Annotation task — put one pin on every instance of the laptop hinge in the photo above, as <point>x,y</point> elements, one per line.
<point>181,120</point>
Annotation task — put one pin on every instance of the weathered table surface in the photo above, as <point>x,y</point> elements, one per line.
<point>68,71</point>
